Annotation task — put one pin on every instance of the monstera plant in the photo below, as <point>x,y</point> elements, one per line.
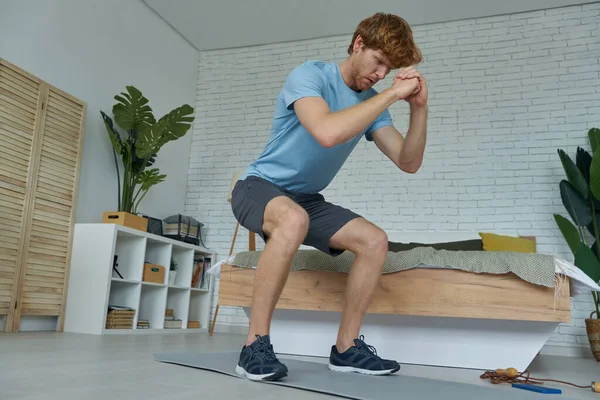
<point>138,141</point>
<point>580,194</point>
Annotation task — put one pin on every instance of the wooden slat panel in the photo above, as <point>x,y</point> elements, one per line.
<point>53,177</point>
<point>57,143</point>
<point>15,121</point>
<point>68,130</point>
<point>58,252</point>
<point>49,230</point>
<point>60,131</point>
<point>62,119</point>
<point>56,183</point>
<point>55,174</point>
<point>47,273</point>
<point>53,207</point>
<point>47,282</point>
<point>6,97</point>
<point>50,191</point>
<point>13,169</point>
<point>65,101</point>
<point>19,82</point>
<point>60,222</point>
<point>16,136</point>
<point>25,117</point>
<point>48,244</point>
<point>19,95</point>
<point>41,311</point>
<point>55,159</point>
<point>14,98</point>
<point>420,292</point>
<point>65,114</point>
<point>16,93</point>
<point>14,73</point>
<point>8,156</point>
<point>61,139</point>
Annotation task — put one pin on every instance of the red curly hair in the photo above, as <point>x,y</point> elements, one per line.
<point>391,35</point>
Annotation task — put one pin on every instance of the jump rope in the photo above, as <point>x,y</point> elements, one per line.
<point>522,380</point>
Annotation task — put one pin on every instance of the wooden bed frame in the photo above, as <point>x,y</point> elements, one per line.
<point>422,316</point>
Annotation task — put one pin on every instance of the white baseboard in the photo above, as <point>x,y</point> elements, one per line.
<point>582,351</point>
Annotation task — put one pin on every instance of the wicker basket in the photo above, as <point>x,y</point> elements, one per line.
<point>592,326</point>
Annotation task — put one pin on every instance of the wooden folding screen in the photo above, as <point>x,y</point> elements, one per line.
<point>41,138</point>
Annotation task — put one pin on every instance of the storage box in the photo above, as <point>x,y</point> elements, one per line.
<point>155,225</point>
<point>153,273</point>
<point>125,219</point>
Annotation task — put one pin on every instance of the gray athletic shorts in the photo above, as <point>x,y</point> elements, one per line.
<point>251,195</point>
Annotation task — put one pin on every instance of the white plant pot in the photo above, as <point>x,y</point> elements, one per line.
<point>172,275</point>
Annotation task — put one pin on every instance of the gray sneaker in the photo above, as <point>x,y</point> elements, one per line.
<point>361,358</point>
<point>258,361</point>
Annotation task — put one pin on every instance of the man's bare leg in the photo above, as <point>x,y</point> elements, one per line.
<point>370,245</point>
<point>285,224</point>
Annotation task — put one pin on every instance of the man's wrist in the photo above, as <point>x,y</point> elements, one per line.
<point>391,95</point>
<point>420,108</point>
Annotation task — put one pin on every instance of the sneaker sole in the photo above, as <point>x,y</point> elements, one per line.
<point>338,368</point>
<point>265,377</point>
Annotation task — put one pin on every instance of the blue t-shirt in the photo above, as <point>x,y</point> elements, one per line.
<point>292,157</point>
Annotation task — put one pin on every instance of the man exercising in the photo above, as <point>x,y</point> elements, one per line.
<point>322,112</point>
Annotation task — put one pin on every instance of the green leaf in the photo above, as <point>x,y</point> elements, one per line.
<point>575,204</point>
<point>115,139</point>
<point>587,262</point>
<point>574,175</point>
<point>178,122</point>
<point>595,174</point>
<point>569,231</point>
<point>150,141</point>
<point>584,161</point>
<point>133,112</point>
<point>149,178</point>
<point>590,226</point>
<point>594,136</point>
<point>170,127</point>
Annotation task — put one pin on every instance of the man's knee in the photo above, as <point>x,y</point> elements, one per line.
<point>288,220</point>
<point>375,242</point>
<point>295,219</point>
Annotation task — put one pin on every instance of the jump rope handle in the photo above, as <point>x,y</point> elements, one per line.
<point>510,372</point>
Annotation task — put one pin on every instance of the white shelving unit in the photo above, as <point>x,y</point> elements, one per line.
<point>94,285</point>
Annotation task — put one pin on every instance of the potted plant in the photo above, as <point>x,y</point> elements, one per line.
<point>137,145</point>
<point>580,194</point>
<point>172,272</point>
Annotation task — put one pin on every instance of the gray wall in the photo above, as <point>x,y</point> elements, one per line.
<point>92,50</point>
<point>235,23</point>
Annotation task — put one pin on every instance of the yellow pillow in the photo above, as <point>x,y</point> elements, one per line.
<point>494,242</point>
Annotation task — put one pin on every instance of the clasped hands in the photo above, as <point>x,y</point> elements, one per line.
<point>411,87</point>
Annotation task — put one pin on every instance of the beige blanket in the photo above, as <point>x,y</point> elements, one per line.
<point>535,268</point>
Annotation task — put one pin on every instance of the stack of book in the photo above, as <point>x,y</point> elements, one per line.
<point>170,321</point>
<point>119,317</point>
<point>143,324</point>
<point>199,277</point>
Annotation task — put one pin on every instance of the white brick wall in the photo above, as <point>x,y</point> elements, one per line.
<point>505,93</point>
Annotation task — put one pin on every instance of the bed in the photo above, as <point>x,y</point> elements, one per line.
<point>475,315</point>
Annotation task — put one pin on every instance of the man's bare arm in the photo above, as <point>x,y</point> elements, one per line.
<point>332,128</point>
<point>407,153</point>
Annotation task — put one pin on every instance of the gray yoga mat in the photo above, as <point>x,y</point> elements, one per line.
<point>317,377</point>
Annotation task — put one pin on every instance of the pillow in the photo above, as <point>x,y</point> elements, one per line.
<point>495,242</point>
<point>466,245</point>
